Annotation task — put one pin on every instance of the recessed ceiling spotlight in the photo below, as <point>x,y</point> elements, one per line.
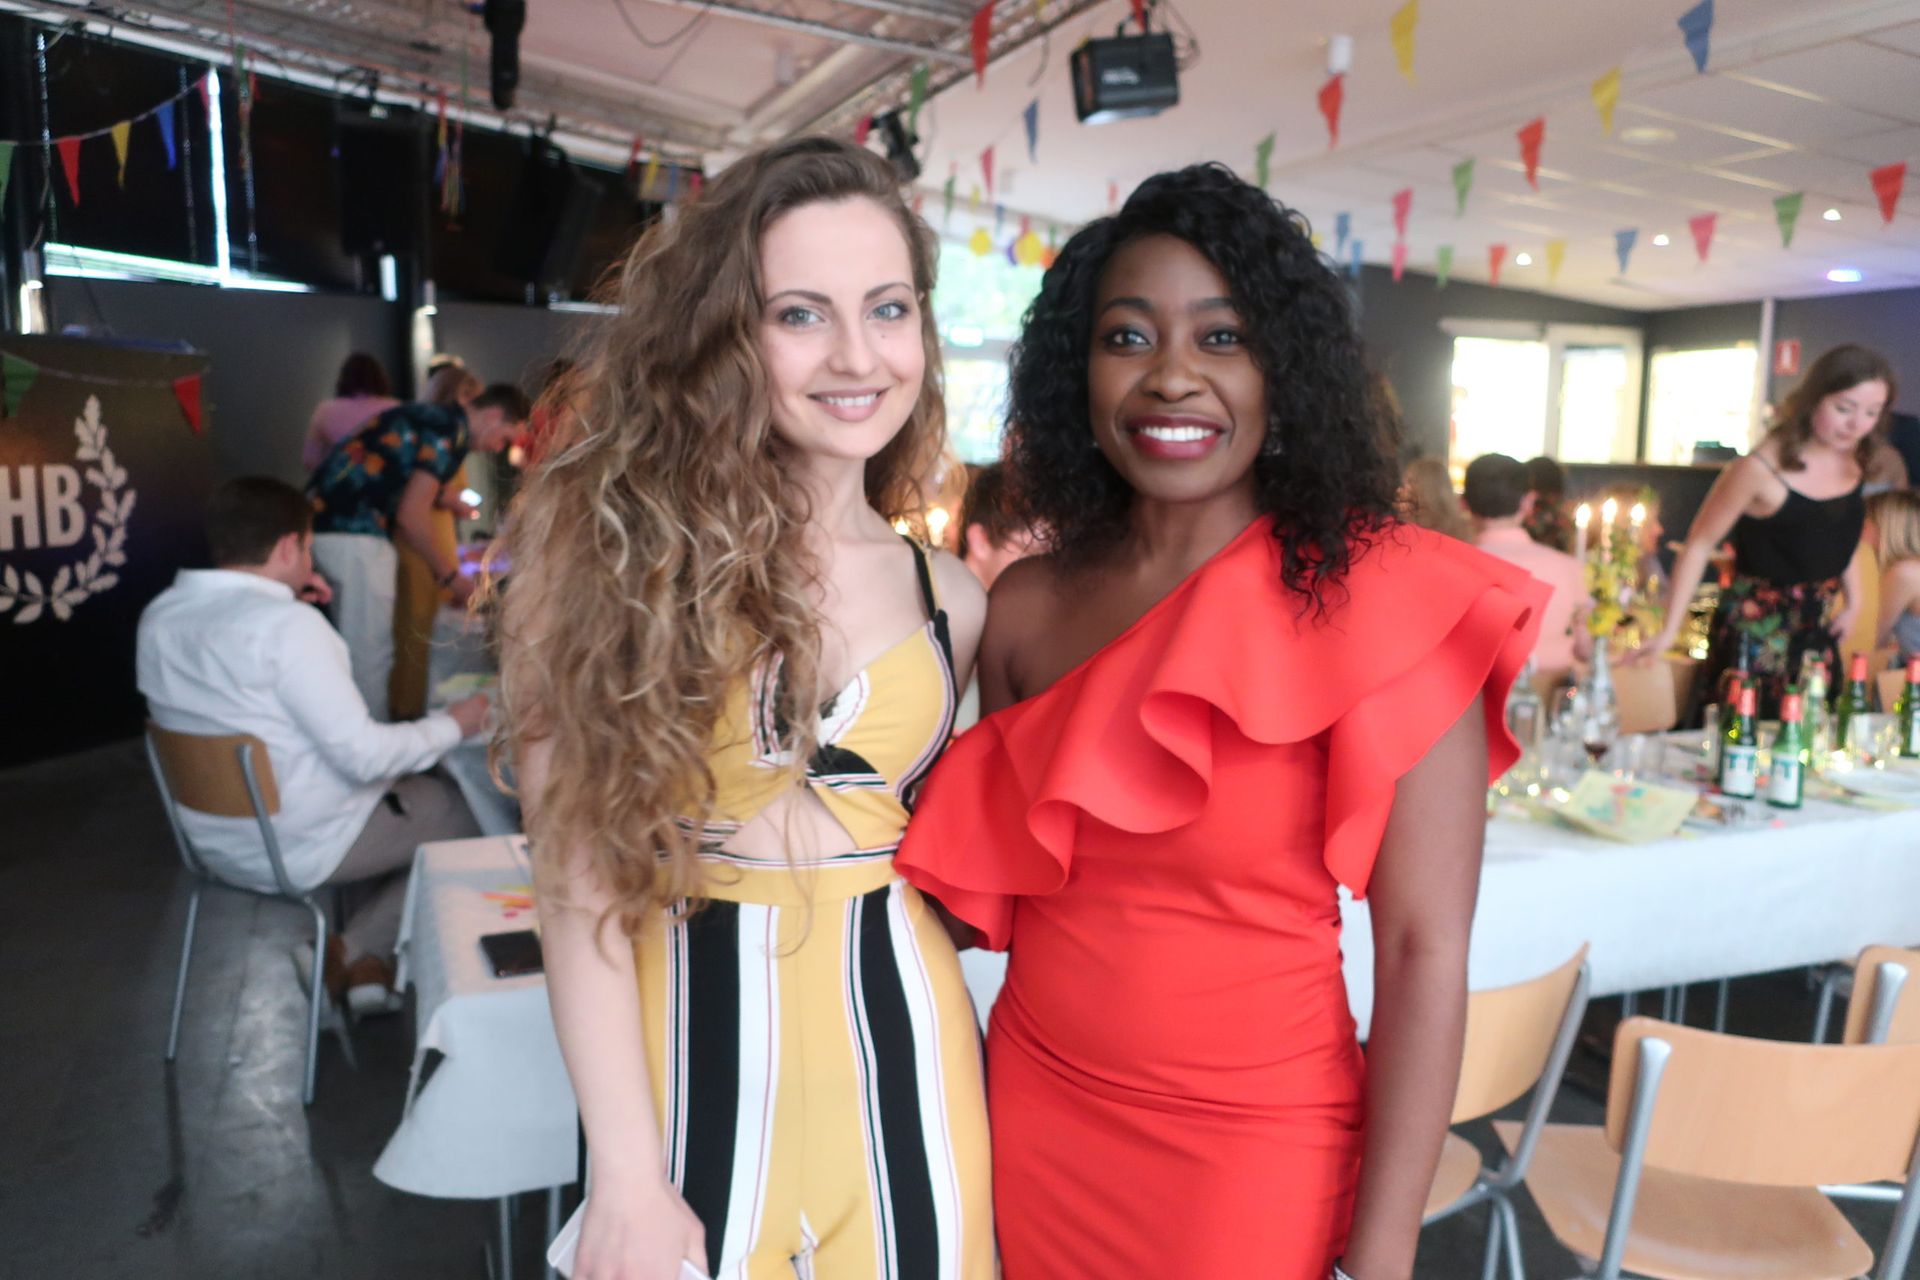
<point>1662,240</point>
<point>1831,215</point>
<point>1844,275</point>
<point>1523,260</point>
<point>1647,135</point>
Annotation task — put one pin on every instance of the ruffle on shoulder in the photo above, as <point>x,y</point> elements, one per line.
<point>1419,626</point>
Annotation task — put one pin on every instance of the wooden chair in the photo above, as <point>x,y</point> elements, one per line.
<point>1646,698</point>
<point>1714,1150</point>
<point>1879,976</point>
<point>1518,1038</point>
<point>230,776</point>
<point>1866,619</point>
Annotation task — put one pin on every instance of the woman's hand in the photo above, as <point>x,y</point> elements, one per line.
<point>639,1234</point>
<point>1843,621</point>
<point>1652,649</point>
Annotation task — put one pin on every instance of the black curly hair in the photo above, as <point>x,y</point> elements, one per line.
<point>1332,481</point>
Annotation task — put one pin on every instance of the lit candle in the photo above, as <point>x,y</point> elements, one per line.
<point>1637,520</point>
<point>1609,512</point>
<point>1581,518</point>
<point>937,520</point>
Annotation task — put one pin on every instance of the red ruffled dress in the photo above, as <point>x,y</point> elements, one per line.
<point>1173,1079</point>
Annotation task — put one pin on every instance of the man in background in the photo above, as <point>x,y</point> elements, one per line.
<point>1499,498</point>
<point>991,535</point>
<point>234,649</point>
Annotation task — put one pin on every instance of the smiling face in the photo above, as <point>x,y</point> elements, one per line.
<point>1176,401</point>
<point>840,331</point>
<point>1843,418</point>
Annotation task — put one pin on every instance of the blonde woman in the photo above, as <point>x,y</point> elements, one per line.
<point>1428,499</point>
<point>1894,518</point>
<point>726,677</point>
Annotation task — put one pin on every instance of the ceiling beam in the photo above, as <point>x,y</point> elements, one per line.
<point>821,30</point>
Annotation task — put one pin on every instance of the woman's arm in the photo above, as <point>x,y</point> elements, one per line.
<point>1850,585</point>
<point>1422,894</point>
<point>1899,585</point>
<point>637,1227</point>
<point>1729,499</point>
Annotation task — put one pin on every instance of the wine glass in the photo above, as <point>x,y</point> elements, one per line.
<point>1599,728</point>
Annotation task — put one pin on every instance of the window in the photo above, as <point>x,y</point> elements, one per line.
<point>978,305</point>
<point>1700,398</point>
<point>1567,391</point>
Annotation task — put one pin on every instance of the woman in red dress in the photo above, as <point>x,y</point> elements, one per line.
<point>1235,684</point>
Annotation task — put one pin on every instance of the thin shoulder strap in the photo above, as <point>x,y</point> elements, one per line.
<point>923,566</point>
<point>1768,463</point>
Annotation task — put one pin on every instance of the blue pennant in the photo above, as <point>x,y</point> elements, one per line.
<point>1696,24</point>
<point>1623,246</point>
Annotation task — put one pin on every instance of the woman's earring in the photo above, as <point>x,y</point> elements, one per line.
<point>1271,447</point>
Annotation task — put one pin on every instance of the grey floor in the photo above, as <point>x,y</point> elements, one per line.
<point>113,1164</point>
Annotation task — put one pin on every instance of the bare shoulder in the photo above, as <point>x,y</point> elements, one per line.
<point>961,594</point>
<point>1026,588</point>
<point>1904,574</point>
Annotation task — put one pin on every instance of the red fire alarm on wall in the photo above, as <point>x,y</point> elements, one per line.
<point>1786,357</point>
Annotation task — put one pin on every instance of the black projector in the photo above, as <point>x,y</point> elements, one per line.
<point>1124,76</point>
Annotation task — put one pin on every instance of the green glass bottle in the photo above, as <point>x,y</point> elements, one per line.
<point>1740,761</point>
<point>1819,712</point>
<point>1908,709</point>
<point>1852,703</point>
<point>1787,783</point>
<point>1729,728</point>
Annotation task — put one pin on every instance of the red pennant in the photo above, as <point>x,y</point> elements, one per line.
<point>206,91</point>
<point>982,32</point>
<point>1332,94</point>
<point>1399,260</point>
<point>1702,227</point>
<point>1887,182</point>
<point>69,149</point>
<point>1026,224</point>
<point>1531,135</point>
<point>919,202</point>
<point>1402,205</point>
<point>986,167</point>
<point>861,130</point>
<point>633,156</point>
<point>187,391</point>
<point>1140,13</point>
<point>1113,195</point>
<point>694,184</point>
<point>1496,255</point>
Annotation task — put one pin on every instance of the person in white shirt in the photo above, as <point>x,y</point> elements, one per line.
<point>239,649</point>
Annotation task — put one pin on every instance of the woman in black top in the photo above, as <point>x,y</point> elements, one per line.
<point>1794,508</point>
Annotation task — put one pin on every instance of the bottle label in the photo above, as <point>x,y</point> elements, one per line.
<point>1785,784</point>
<point>1740,775</point>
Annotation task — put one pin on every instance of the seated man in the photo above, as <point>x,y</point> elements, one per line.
<point>1499,499</point>
<point>233,649</point>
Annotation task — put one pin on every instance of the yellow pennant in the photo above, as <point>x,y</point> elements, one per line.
<point>1405,19</point>
<point>653,171</point>
<point>1606,96</point>
<point>1556,254</point>
<point>973,196</point>
<point>120,133</point>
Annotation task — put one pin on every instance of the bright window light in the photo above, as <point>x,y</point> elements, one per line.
<point>1845,275</point>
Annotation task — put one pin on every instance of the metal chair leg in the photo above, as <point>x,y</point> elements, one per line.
<point>315,998</point>
<point>1629,1002</point>
<point>1680,1004</point>
<point>1516,1266</point>
<point>1720,1005</point>
<point>1823,1012</point>
<point>1666,1004</point>
<point>553,1224</point>
<point>1491,1267</point>
<point>186,959</point>
<point>506,1238</point>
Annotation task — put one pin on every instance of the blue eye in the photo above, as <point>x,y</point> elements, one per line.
<point>895,310</point>
<point>797,317</point>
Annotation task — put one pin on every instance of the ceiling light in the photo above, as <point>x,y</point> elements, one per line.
<point>1831,215</point>
<point>1647,135</point>
<point>1844,275</point>
<point>1523,260</point>
<point>1661,241</point>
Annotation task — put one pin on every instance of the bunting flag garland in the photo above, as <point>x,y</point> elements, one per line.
<point>919,202</point>
<point>633,158</point>
<point>1402,25</point>
<point>1442,265</point>
<point>973,197</point>
<point>673,186</point>
<point>1031,118</point>
<point>1262,161</point>
<point>946,192</point>
<point>1606,96</point>
<point>1556,257</point>
<point>121,134</point>
<point>1402,205</point>
<point>205,86</point>
<point>1399,260</point>
<point>1140,14</point>
<point>16,376</point>
<point>861,130</point>
<point>1342,223</point>
<point>1496,256</point>
<point>166,121</point>
<point>1786,211</point>
<point>916,98</point>
<point>694,184</point>
<point>1696,28</point>
<point>653,171</point>
<point>1357,261</point>
<point>6,170</point>
<point>1113,194</point>
<point>1887,182</point>
<point>1531,135</point>
<point>986,167</point>
<point>187,391</point>
<point>1462,183</point>
<point>999,217</point>
<point>1702,228</point>
<point>982,32</point>
<point>1623,242</point>
<point>69,149</point>
<point>1332,94</point>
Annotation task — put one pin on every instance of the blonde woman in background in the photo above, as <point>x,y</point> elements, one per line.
<point>1428,499</point>
<point>1893,522</point>
<point>416,600</point>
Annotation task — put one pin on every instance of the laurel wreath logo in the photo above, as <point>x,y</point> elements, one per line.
<point>74,584</point>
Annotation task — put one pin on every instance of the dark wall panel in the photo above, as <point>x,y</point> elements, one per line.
<point>508,344</point>
<point>1695,328</point>
<point>1888,321</point>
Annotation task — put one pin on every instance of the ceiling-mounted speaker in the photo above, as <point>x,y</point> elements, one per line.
<point>899,144</point>
<point>380,170</point>
<point>548,226</point>
<point>504,21</point>
<point>1123,77</point>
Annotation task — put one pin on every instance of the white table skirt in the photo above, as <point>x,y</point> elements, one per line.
<point>496,1117</point>
<point>496,812</point>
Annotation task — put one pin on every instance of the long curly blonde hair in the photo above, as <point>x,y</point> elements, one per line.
<point>657,547</point>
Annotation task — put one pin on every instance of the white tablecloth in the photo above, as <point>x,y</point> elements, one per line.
<point>497,813</point>
<point>496,1117</point>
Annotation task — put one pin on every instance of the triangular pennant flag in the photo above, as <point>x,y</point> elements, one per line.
<point>1702,227</point>
<point>986,167</point>
<point>999,217</point>
<point>1113,195</point>
<point>653,171</point>
<point>206,91</point>
<point>982,32</point>
<point>1556,256</point>
<point>1026,225</point>
<point>69,149</point>
<point>1402,205</point>
<point>861,129</point>
<point>1606,96</point>
<point>633,157</point>
<point>1531,134</point>
<point>1140,13</point>
<point>694,184</point>
<point>973,197</point>
<point>1332,94</point>
<point>673,183</point>
<point>919,202</point>
<point>164,118</point>
<point>16,376</point>
<point>946,192</point>
<point>1696,27</point>
<point>916,98</point>
<point>1342,223</point>
<point>1442,265</point>
<point>1357,261</point>
<point>121,133</point>
<point>187,391</point>
<point>1496,256</point>
<point>1404,20</point>
<point>1399,260</point>
<point>1262,161</point>
<point>1031,116</point>
<point>1623,242</point>
<point>6,170</point>
<point>1887,182</point>
<point>1462,183</point>
<point>1786,211</point>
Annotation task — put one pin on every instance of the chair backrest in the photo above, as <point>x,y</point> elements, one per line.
<point>203,771</point>
<point>1770,1113</point>
<point>1866,619</point>
<point>1646,698</point>
<point>1510,1037</point>
<point>1904,1025</point>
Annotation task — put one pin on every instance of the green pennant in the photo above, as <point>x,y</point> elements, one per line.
<point>1462,183</point>
<point>16,376</point>
<point>1442,265</point>
<point>6,171</point>
<point>1786,209</point>
<point>917,97</point>
<point>946,214</point>
<point>1262,161</point>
